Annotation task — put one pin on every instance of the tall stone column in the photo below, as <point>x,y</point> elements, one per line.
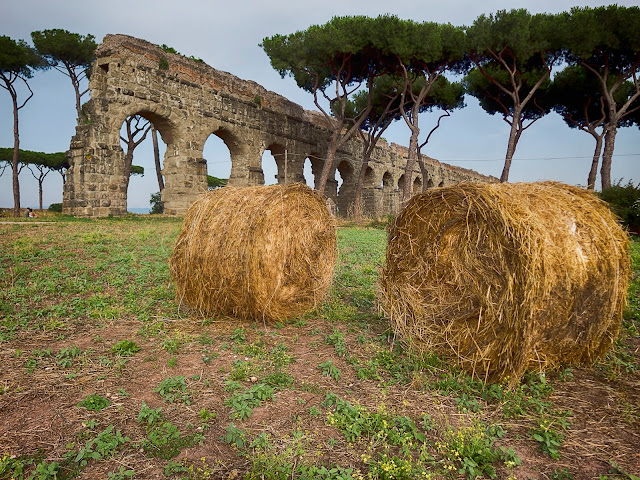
<point>246,166</point>
<point>95,185</point>
<point>294,161</point>
<point>185,177</point>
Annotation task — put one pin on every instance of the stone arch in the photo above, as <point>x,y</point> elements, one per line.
<point>400,185</point>
<point>188,101</point>
<point>166,128</point>
<point>316,164</point>
<point>417,185</point>
<point>387,181</point>
<point>369,178</point>
<point>246,158</point>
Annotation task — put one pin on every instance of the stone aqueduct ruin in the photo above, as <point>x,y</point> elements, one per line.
<point>187,101</point>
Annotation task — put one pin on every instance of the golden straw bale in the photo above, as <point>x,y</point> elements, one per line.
<point>502,278</point>
<point>255,252</point>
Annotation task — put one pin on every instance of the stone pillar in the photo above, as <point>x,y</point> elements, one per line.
<point>294,159</point>
<point>185,177</point>
<point>246,166</point>
<point>95,185</point>
<point>377,207</point>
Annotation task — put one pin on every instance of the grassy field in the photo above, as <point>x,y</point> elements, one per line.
<point>102,375</point>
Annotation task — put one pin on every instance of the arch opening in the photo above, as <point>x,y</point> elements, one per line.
<point>143,158</point>
<point>369,178</point>
<point>217,152</point>
<point>387,182</point>
<point>400,186</point>
<point>417,186</point>
<point>274,164</point>
<point>344,176</point>
<point>312,169</point>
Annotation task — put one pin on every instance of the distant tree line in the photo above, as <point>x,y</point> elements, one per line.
<point>583,64</point>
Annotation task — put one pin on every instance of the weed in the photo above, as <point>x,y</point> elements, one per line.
<point>125,348</point>
<point>174,343</point>
<point>206,416</point>
<point>619,360</point>
<point>615,468</point>
<point>174,389</point>
<point>472,448</point>
<point>95,403</point>
<point>315,411</point>
<point>174,467</point>
<point>467,404</point>
<point>330,370</point>
<point>278,356</point>
<point>12,467</point>
<point>46,471</point>
<point>337,340</point>
<point>239,336</point>
<point>150,416</point>
<point>393,467</point>
<point>31,365</point>
<point>244,402</point>
<point>561,474</point>
<point>105,445</point>
<point>355,421</point>
<point>549,440</point>
<point>232,386</point>
<point>278,380</point>
<point>67,355</point>
<point>121,474</point>
<point>234,436</point>
<point>242,370</point>
<point>205,339</point>
<point>165,441</point>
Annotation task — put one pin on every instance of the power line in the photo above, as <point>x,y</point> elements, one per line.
<point>534,159</point>
<point>531,159</point>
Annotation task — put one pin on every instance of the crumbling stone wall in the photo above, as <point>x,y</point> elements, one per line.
<point>187,101</point>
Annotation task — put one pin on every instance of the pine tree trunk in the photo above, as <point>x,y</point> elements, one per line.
<point>40,193</point>
<point>357,203</point>
<point>514,135</point>
<point>156,158</point>
<point>78,106</point>
<point>593,172</point>
<point>411,160</point>
<point>607,156</point>
<point>128,160</point>
<point>16,151</point>
<point>328,163</point>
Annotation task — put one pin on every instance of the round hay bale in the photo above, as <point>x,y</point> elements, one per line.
<point>502,278</point>
<point>255,252</point>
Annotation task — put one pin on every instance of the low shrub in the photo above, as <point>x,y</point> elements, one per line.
<point>624,201</point>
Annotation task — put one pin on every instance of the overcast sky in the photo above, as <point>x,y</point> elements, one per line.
<point>226,35</point>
